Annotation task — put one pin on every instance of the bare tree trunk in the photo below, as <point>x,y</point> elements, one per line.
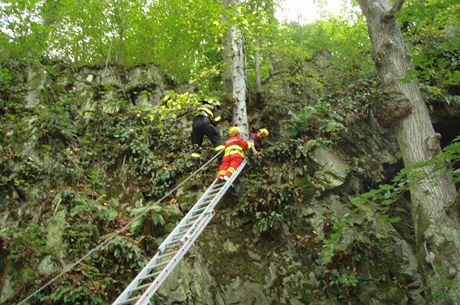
<point>227,54</point>
<point>239,82</point>
<point>437,227</point>
<point>233,53</point>
<point>258,79</point>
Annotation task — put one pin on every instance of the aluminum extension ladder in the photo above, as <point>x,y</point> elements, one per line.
<point>174,247</point>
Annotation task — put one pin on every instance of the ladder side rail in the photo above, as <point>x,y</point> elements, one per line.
<point>193,232</point>
<point>146,270</point>
<point>177,230</point>
<point>190,235</point>
<point>145,298</point>
<point>187,216</point>
<point>225,188</point>
<point>134,283</point>
<point>215,199</point>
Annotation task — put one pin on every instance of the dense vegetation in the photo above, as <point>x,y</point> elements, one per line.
<point>80,157</point>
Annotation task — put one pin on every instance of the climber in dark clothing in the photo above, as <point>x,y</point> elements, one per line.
<point>205,121</point>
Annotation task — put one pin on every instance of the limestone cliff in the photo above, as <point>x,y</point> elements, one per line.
<point>79,157</point>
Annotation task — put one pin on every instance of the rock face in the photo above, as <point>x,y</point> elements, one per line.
<point>283,267</point>
<point>333,171</point>
<point>143,84</point>
<point>322,251</point>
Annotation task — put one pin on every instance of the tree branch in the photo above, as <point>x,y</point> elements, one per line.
<point>391,13</point>
<point>398,5</point>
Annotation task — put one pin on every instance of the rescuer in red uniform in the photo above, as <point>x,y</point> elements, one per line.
<point>235,149</point>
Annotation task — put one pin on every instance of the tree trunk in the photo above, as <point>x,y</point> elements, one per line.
<point>258,79</point>
<point>436,224</point>
<point>238,75</point>
<point>240,117</point>
<point>227,55</point>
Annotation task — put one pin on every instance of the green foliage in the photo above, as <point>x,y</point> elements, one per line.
<point>339,44</point>
<point>96,179</point>
<point>70,169</point>
<point>154,214</point>
<point>29,242</point>
<point>266,201</point>
<point>71,295</point>
<point>54,126</point>
<point>80,234</point>
<point>432,28</point>
<point>120,32</point>
<point>442,288</point>
<point>121,257</point>
<point>94,163</point>
<point>267,222</point>
<point>173,105</point>
<point>17,172</point>
<point>343,279</point>
<point>316,120</point>
<point>142,32</point>
<point>356,238</point>
<point>5,75</point>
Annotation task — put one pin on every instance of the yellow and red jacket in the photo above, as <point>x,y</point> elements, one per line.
<point>236,145</point>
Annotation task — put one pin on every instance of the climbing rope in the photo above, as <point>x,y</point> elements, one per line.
<point>116,233</point>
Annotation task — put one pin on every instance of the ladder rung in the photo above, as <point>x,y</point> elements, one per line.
<point>158,265</point>
<point>173,244</point>
<point>198,211</point>
<point>171,252</point>
<point>166,254</point>
<point>185,227</point>
<point>213,192</point>
<point>149,276</point>
<point>130,300</point>
<point>205,203</point>
<point>193,218</point>
<point>141,287</point>
<point>208,198</point>
<point>177,236</point>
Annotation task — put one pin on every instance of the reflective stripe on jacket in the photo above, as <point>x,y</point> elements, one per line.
<point>209,111</point>
<point>234,149</point>
<point>236,145</point>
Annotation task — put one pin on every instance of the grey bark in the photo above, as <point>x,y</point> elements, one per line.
<point>432,199</point>
<point>227,54</point>
<point>238,75</point>
<point>240,117</point>
<point>258,78</point>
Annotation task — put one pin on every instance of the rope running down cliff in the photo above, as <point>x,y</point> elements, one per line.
<point>116,233</point>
